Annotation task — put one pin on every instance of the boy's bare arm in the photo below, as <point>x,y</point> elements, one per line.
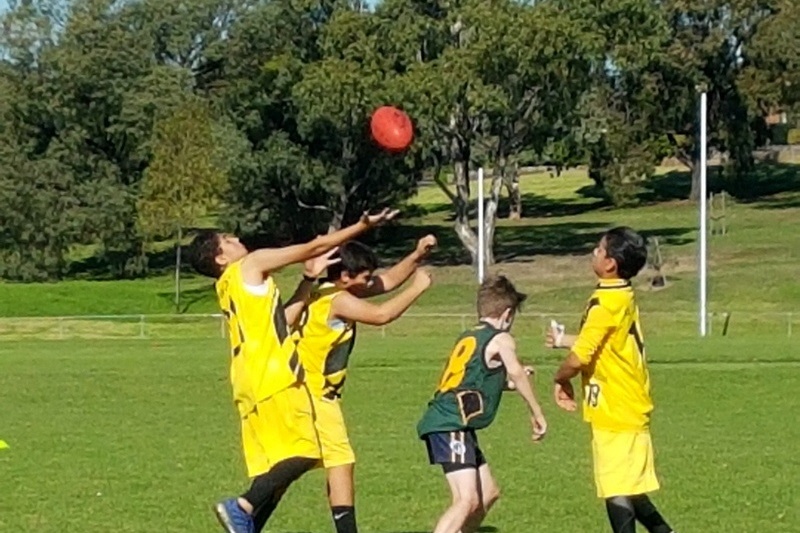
<point>400,271</point>
<point>258,264</point>
<point>505,346</point>
<point>350,307</point>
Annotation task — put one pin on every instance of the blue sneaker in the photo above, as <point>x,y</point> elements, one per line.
<point>233,518</point>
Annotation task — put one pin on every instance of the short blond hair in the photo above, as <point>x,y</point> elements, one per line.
<point>496,294</point>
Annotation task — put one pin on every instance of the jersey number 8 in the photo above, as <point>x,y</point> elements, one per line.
<point>457,364</point>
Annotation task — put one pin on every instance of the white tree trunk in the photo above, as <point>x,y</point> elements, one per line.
<point>337,218</point>
<point>462,228</point>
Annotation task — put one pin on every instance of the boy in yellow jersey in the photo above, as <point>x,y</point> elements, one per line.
<point>466,401</point>
<point>325,338</point>
<point>278,436</point>
<point>609,354</point>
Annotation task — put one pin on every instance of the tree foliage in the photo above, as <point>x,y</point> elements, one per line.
<point>100,100</point>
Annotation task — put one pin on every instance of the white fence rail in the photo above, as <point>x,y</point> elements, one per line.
<point>143,326</point>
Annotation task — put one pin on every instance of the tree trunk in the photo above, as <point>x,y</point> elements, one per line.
<point>178,270</point>
<point>462,226</point>
<point>694,193</point>
<point>337,217</point>
<point>490,214</point>
<point>514,196</point>
<point>460,153</point>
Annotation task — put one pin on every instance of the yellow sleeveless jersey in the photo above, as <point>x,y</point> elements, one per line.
<point>610,344</point>
<point>324,344</point>
<point>263,360</point>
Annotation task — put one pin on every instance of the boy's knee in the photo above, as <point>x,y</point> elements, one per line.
<point>490,496</point>
<point>469,502</point>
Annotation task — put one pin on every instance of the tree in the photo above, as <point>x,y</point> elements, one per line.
<point>442,91</point>
<point>710,48</point>
<point>303,95</point>
<point>183,180</point>
<point>537,74</point>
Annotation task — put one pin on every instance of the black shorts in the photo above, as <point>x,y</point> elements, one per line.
<point>454,450</point>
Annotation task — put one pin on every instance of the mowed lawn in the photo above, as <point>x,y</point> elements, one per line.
<point>140,435</point>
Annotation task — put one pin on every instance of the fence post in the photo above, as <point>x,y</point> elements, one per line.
<point>141,326</point>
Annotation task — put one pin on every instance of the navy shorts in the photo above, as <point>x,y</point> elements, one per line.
<point>454,450</point>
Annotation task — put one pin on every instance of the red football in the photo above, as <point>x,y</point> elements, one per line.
<point>391,128</point>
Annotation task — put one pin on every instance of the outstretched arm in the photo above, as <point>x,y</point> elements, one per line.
<point>506,348</point>
<point>258,264</point>
<point>400,271</point>
<point>311,271</point>
<point>355,309</point>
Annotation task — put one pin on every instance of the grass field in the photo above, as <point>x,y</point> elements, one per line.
<point>136,436</point>
<point>127,425</point>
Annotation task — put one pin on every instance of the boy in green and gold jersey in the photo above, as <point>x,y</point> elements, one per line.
<point>466,400</point>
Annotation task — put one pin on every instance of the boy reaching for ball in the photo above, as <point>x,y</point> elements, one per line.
<point>609,354</point>
<point>466,400</point>
<point>325,337</point>
<point>279,439</point>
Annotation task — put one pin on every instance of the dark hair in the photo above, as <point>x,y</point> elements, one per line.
<point>496,294</point>
<point>203,252</point>
<point>628,249</point>
<point>355,259</point>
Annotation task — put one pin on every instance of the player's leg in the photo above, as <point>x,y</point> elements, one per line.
<point>621,514</point>
<point>624,511</point>
<point>489,494</point>
<point>341,495</point>
<point>464,489</point>
<point>280,444</point>
<point>488,490</point>
<point>339,461</point>
<point>456,454</point>
<point>648,515</point>
<point>268,489</point>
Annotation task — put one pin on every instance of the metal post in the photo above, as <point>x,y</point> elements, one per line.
<point>703,218</point>
<point>481,236</point>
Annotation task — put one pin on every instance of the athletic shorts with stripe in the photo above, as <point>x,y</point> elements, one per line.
<point>454,450</point>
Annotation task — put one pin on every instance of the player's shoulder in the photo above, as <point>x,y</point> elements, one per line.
<point>504,339</point>
<point>612,298</point>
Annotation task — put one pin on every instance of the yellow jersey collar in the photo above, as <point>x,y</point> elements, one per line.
<point>613,284</point>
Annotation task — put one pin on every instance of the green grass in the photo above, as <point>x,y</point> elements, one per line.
<point>135,436</point>
<point>127,425</point>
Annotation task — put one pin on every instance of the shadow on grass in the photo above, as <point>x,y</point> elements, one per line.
<point>767,179</point>
<point>123,265</point>
<point>512,243</point>
<point>533,206</point>
<point>189,297</point>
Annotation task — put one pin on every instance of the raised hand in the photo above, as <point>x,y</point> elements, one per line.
<point>379,218</point>
<point>315,266</point>
<point>425,245</point>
